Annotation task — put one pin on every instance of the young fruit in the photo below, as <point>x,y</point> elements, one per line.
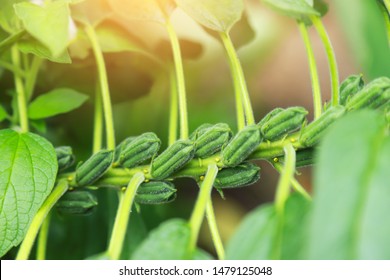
<point>349,87</point>
<point>239,176</point>
<point>65,157</point>
<point>79,202</point>
<point>155,192</point>
<point>210,140</point>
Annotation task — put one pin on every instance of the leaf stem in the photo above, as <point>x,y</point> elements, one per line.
<point>122,216</point>
<point>334,74</point>
<point>214,230</point>
<point>28,241</point>
<point>181,90</point>
<point>240,87</point>
<point>317,100</point>
<point>104,87</point>
<point>10,67</point>
<point>173,112</point>
<point>10,40</point>
<point>32,76</point>
<point>97,122</point>
<point>20,91</point>
<point>42,238</point>
<point>201,203</point>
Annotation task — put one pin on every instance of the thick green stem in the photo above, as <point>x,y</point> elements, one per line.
<point>122,217</point>
<point>239,82</point>
<point>334,74</point>
<point>29,239</point>
<point>317,100</point>
<point>173,116</point>
<point>282,193</point>
<point>181,89</point>
<point>295,184</point>
<point>32,76</point>
<point>97,123</point>
<point>104,88</point>
<point>201,203</point>
<point>10,40</point>
<point>42,239</point>
<point>214,230</point>
<point>20,91</point>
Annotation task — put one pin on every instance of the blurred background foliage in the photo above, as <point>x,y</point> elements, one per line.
<point>275,64</point>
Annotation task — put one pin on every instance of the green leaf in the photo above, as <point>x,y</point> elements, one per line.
<point>149,10</point>
<point>8,19</point>
<point>49,23</point>
<point>352,192</point>
<point>170,241</point>
<point>254,238</point>
<point>33,46</point>
<point>218,15</point>
<point>28,168</point>
<point>3,113</point>
<point>55,102</point>
<point>365,30</point>
<point>293,8</point>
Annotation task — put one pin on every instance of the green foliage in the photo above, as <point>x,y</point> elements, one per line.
<point>3,113</point>
<point>55,102</point>
<point>296,9</point>
<point>27,175</point>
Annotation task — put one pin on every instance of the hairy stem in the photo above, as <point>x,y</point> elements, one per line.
<point>29,239</point>
<point>242,97</point>
<point>104,88</point>
<point>122,217</point>
<point>20,91</point>
<point>181,89</point>
<point>334,74</point>
<point>173,117</point>
<point>317,100</point>
<point>201,203</point>
<point>214,230</point>
<point>42,238</point>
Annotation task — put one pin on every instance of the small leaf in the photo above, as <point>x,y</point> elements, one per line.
<point>28,168</point>
<point>49,23</point>
<point>33,46</point>
<point>55,102</point>
<point>293,8</point>
<point>351,196</point>
<point>3,113</point>
<point>170,241</point>
<point>149,10</point>
<point>218,15</point>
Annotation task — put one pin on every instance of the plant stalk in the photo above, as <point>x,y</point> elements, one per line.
<point>201,203</point>
<point>10,40</point>
<point>317,100</point>
<point>104,87</point>
<point>173,110</point>
<point>334,74</point>
<point>181,90</point>
<point>122,217</point>
<point>42,238</point>
<point>241,90</point>
<point>29,239</point>
<point>32,76</point>
<point>97,122</point>
<point>217,241</point>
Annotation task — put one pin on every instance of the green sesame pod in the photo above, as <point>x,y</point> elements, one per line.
<point>314,131</point>
<point>349,87</point>
<point>139,149</point>
<point>241,146</point>
<point>211,140</point>
<point>304,157</point>
<point>65,157</point>
<point>90,171</point>
<point>283,122</point>
<point>200,130</point>
<point>373,95</point>
<point>77,202</point>
<point>172,159</point>
<point>239,176</point>
<point>269,116</point>
<point>155,192</point>
<point>119,147</point>
<point>381,102</point>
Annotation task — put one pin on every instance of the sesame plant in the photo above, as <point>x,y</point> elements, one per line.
<point>347,141</point>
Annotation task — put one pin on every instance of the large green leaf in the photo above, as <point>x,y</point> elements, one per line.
<point>218,15</point>
<point>352,191</point>
<point>28,168</point>
<point>293,8</point>
<point>48,23</point>
<point>365,30</point>
<point>55,102</point>
<point>170,241</point>
<point>8,19</point>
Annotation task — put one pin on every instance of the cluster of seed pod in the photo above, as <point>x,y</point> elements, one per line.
<point>216,142</point>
